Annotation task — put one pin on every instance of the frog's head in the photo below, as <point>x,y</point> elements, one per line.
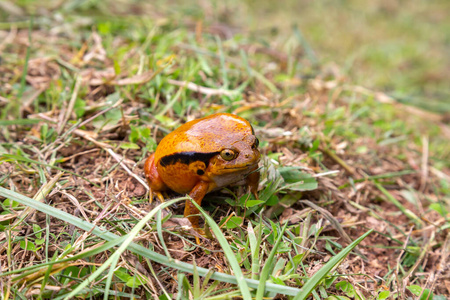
<point>239,156</point>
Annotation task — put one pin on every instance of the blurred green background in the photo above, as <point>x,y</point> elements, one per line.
<point>399,47</point>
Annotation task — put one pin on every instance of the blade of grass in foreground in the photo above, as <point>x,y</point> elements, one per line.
<point>112,261</point>
<point>19,122</point>
<point>400,206</point>
<point>311,284</point>
<point>268,264</point>
<point>37,269</point>
<point>228,253</point>
<point>138,249</point>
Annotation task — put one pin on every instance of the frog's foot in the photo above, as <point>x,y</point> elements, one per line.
<point>158,195</point>
<point>201,232</point>
<point>205,234</point>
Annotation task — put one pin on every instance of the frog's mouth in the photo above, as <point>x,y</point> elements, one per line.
<point>242,168</point>
<point>233,175</point>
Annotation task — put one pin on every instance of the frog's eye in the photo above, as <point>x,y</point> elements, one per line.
<point>228,154</point>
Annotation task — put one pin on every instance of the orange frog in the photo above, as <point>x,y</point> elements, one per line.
<point>204,155</point>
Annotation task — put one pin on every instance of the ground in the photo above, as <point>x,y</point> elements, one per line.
<point>85,99</point>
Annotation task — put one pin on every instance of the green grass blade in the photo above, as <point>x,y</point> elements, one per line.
<point>47,273</point>
<point>112,268</point>
<point>34,269</point>
<point>308,49</point>
<point>400,206</point>
<point>255,242</point>
<point>245,291</point>
<point>268,264</point>
<point>27,59</point>
<point>19,122</point>
<point>180,286</point>
<point>196,282</point>
<point>160,235</point>
<point>115,257</point>
<point>311,284</point>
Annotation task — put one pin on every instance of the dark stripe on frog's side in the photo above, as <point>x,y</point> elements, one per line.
<point>187,158</point>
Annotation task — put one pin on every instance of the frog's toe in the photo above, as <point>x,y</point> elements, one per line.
<point>199,232</point>
<point>158,195</point>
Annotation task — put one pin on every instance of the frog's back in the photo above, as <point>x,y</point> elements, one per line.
<point>204,136</point>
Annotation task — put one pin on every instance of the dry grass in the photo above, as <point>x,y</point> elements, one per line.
<point>84,101</point>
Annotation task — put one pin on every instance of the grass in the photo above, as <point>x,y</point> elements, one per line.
<point>354,197</point>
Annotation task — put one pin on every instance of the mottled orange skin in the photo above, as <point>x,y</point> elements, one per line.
<point>207,136</point>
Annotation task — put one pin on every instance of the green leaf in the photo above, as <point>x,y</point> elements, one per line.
<point>296,260</point>
<point>113,98</point>
<point>415,289</point>
<point>362,149</point>
<point>122,274</point>
<point>277,280</point>
<point>134,134</point>
<point>116,67</point>
<point>273,200</point>
<point>79,108</point>
<point>273,156</point>
<point>439,208</point>
<point>346,287</point>
<point>251,203</point>
<point>140,133</point>
<point>10,203</point>
<point>329,248</point>
<point>129,146</point>
<point>36,230</point>
<point>254,238</point>
<point>135,281</point>
<point>427,295</point>
<point>145,133</point>
<point>296,180</point>
<point>329,281</point>
<point>167,121</point>
<point>383,295</point>
<point>234,222</point>
<point>164,297</point>
<point>40,241</point>
<point>315,146</point>
<point>27,245</point>
<point>104,28</point>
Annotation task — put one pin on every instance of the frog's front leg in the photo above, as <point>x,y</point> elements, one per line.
<point>154,180</point>
<point>197,193</point>
<point>252,181</point>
